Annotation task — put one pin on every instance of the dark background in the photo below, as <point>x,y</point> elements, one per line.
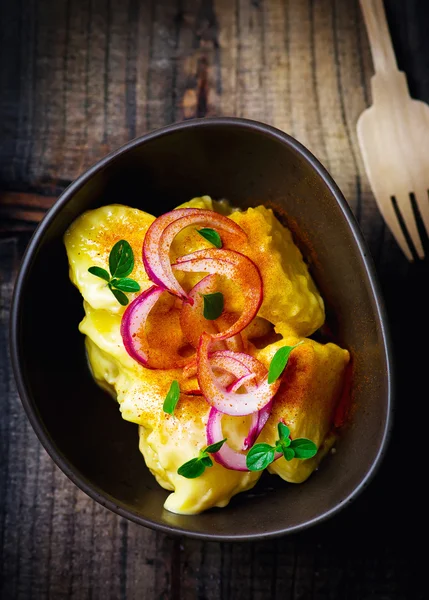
<point>77,79</point>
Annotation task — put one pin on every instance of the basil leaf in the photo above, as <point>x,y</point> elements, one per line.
<point>172,398</point>
<point>288,453</point>
<point>120,296</point>
<point>121,259</point>
<point>215,447</point>
<point>213,305</point>
<point>211,236</point>
<point>303,448</point>
<point>279,362</point>
<point>125,284</point>
<point>284,431</point>
<point>207,461</point>
<point>99,272</point>
<point>259,457</point>
<point>192,469</point>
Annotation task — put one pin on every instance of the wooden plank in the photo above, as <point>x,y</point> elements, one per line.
<point>22,211</point>
<point>226,18</point>
<point>115,129</point>
<point>251,61</point>
<point>53,33</point>
<point>138,65</point>
<point>304,93</point>
<point>196,84</point>
<point>26,200</point>
<point>160,106</point>
<point>96,79</point>
<point>75,99</point>
<point>278,59</point>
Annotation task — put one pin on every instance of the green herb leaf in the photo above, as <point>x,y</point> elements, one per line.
<point>284,431</point>
<point>121,259</point>
<point>207,461</point>
<point>172,398</point>
<point>125,284</point>
<point>279,362</point>
<point>215,447</point>
<point>192,469</point>
<point>259,457</point>
<point>120,296</point>
<point>213,305</point>
<point>288,453</point>
<point>99,272</point>
<point>196,466</point>
<point>303,448</point>
<point>211,236</point>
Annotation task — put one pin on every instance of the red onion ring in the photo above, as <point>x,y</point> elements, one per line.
<point>199,217</point>
<point>160,235</point>
<point>235,266</point>
<point>151,258</point>
<point>232,373</point>
<point>236,385</point>
<point>258,422</point>
<point>226,456</point>
<point>227,402</point>
<point>261,417</point>
<point>133,325</point>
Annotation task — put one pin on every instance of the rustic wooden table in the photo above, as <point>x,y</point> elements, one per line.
<point>77,79</point>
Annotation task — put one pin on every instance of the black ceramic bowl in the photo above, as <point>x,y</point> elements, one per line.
<point>248,163</point>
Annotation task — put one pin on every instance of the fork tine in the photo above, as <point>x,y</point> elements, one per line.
<point>422,201</point>
<point>389,215</point>
<point>406,209</point>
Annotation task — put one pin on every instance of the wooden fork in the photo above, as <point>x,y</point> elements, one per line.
<point>393,136</point>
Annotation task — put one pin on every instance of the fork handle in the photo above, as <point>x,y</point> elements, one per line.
<point>380,41</point>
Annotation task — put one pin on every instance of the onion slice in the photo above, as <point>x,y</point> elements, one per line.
<point>160,235</point>
<point>261,417</point>
<point>232,374</point>
<point>133,332</point>
<point>226,456</point>
<point>258,422</point>
<point>238,383</point>
<point>228,402</point>
<point>223,360</point>
<point>258,418</point>
<point>235,266</point>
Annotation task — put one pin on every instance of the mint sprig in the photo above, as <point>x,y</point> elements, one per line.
<point>121,259</point>
<point>279,362</point>
<point>196,466</point>
<point>172,398</point>
<point>211,236</point>
<point>260,456</point>
<point>213,305</point>
<point>121,264</point>
<point>99,272</point>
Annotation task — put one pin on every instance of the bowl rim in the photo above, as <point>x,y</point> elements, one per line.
<point>31,410</point>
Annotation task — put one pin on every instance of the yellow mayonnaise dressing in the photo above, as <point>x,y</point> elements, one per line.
<point>292,304</point>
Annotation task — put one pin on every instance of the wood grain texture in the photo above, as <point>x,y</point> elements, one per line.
<point>77,79</point>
